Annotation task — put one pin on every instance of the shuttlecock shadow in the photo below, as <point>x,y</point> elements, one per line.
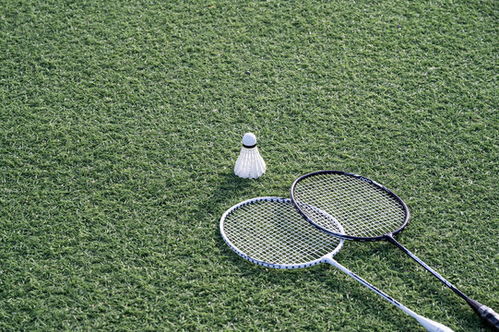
<point>229,191</point>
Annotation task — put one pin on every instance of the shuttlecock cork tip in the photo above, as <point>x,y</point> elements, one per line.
<point>249,140</point>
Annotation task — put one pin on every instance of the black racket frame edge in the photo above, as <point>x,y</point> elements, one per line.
<point>362,178</point>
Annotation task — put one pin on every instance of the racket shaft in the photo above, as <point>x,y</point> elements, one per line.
<point>425,322</point>
<point>423,264</point>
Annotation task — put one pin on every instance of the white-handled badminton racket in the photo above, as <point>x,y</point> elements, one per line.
<point>270,232</point>
<point>368,212</point>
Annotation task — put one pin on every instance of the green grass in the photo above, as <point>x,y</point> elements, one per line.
<point>120,123</point>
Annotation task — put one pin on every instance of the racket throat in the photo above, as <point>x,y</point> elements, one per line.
<point>330,260</point>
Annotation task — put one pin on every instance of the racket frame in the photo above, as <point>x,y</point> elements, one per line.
<point>263,263</point>
<point>362,178</point>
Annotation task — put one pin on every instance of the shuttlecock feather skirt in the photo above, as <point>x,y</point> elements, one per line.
<point>250,163</point>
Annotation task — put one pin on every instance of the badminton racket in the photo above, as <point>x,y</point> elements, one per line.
<point>368,212</point>
<point>268,231</point>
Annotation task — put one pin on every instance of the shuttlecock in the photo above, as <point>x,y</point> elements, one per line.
<point>250,163</point>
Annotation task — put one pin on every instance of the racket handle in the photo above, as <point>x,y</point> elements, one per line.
<point>486,313</point>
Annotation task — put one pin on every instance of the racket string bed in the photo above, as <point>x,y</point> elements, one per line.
<point>363,211</point>
<point>265,235</point>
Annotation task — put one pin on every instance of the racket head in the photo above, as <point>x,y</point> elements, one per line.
<point>367,210</point>
<point>269,231</point>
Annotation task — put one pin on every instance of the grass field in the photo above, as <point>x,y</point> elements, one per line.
<point>120,122</point>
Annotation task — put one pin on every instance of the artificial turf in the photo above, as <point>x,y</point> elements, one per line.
<point>120,122</point>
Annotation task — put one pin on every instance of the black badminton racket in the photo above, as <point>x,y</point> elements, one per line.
<point>270,232</point>
<point>368,212</point>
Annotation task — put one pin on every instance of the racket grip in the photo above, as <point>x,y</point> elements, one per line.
<point>486,314</point>
<point>490,316</point>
